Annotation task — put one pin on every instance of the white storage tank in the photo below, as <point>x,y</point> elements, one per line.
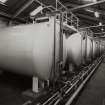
<point>94,49</point>
<point>74,48</point>
<point>89,49</point>
<point>29,49</point>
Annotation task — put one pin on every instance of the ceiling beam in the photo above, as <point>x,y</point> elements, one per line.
<point>86,5</point>
<point>76,5</point>
<point>98,10</point>
<point>83,24</point>
<point>5,15</point>
<point>23,8</point>
<point>10,17</point>
<point>95,26</point>
<point>87,22</point>
<point>71,5</point>
<point>3,4</point>
<point>100,33</point>
<point>87,17</point>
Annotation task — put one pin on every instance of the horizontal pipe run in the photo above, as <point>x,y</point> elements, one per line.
<point>82,85</point>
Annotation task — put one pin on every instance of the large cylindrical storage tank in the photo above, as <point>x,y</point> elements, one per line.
<point>98,48</point>
<point>74,49</point>
<point>103,48</point>
<point>29,49</point>
<point>89,50</point>
<point>94,49</point>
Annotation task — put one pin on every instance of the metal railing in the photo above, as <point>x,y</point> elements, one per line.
<point>68,17</point>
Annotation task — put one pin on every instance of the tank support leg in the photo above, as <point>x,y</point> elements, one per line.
<point>71,68</point>
<point>48,83</point>
<point>35,87</point>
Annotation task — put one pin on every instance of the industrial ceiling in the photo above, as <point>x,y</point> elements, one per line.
<point>89,12</point>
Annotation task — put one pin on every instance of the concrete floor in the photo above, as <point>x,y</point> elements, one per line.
<point>94,92</point>
<point>11,88</point>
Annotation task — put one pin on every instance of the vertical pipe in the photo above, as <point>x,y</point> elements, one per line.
<point>53,68</point>
<point>99,47</point>
<point>86,47</point>
<point>92,50</point>
<point>56,5</point>
<point>54,60</point>
<point>61,44</point>
<point>82,48</point>
<point>61,38</point>
<point>71,19</point>
<point>77,23</point>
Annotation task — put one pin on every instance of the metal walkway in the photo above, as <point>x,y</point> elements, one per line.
<point>94,92</point>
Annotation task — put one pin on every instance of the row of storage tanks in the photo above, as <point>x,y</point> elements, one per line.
<point>31,49</point>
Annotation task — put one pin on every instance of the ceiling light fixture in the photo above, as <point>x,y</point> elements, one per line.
<point>96,14</point>
<point>102,29</point>
<point>100,24</point>
<point>94,0</point>
<point>36,11</point>
<point>89,10</point>
<point>3,1</point>
<point>90,0</point>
